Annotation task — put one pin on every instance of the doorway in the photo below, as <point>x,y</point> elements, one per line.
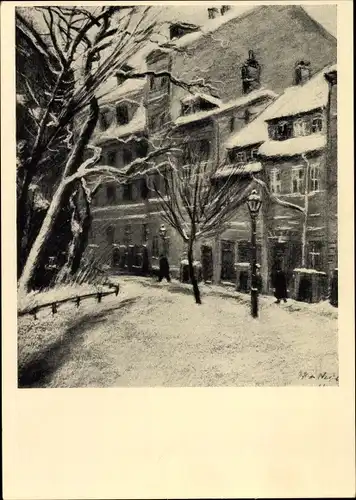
<point>207,262</point>
<point>228,261</point>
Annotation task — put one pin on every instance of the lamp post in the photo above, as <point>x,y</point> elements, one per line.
<point>254,203</point>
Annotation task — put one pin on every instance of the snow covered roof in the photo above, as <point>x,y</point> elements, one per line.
<point>294,100</point>
<point>135,125</point>
<point>294,146</point>
<point>326,22</point>
<point>206,97</point>
<point>240,101</point>
<point>247,168</point>
<point>301,98</point>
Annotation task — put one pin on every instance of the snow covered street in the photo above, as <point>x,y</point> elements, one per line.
<point>155,335</point>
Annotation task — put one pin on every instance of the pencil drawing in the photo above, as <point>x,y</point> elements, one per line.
<point>177,195</point>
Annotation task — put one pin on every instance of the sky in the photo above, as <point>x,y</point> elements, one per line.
<point>324,14</point>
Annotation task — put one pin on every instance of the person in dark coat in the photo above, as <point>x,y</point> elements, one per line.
<point>163,269</point>
<point>279,283</point>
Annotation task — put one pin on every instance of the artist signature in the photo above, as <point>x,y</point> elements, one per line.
<point>323,376</point>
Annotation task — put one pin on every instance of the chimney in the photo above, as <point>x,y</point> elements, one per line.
<point>213,12</point>
<point>302,72</point>
<point>250,73</point>
<point>224,9</point>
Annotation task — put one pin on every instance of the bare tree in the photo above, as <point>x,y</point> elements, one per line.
<point>82,48</point>
<point>196,200</point>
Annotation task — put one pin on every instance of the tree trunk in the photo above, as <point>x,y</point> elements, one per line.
<point>192,276</point>
<point>41,240</point>
<point>60,196</point>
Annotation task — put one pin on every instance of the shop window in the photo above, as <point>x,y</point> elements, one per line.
<point>244,251</point>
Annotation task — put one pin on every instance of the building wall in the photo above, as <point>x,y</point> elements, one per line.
<point>279,37</point>
<point>331,208</point>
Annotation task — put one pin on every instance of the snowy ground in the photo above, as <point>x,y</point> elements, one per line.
<point>155,335</point>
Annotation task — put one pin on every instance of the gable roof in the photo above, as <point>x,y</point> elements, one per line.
<point>294,100</point>
<point>241,12</point>
<point>240,101</point>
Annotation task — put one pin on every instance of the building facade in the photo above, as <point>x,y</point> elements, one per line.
<point>255,62</point>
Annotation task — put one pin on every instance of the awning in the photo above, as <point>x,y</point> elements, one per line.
<point>241,169</point>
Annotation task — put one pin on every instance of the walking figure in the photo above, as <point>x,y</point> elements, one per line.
<point>279,284</point>
<point>163,269</point>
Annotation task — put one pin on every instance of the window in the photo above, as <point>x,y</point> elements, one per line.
<point>127,192</point>
<point>283,131</point>
<point>144,189</point>
<point>110,235</point>
<point>141,149</point>
<point>204,149</point>
<point>315,177</point>
<point>317,125</point>
<point>112,158</point>
<point>164,82</point>
<point>275,180</point>
<point>241,156</point>
<point>144,232</point>
<point>315,254</point>
<point>232,124</point>
<point>254,153</point>
<point>297,180</point>
<point>155,246</point>
<point>122,114</point>
<point>127,156</point>
<point>111,194</point>
<point>301,128</point>
<point>244,251</point>
<point>127,234</point>
<point>104,120</point>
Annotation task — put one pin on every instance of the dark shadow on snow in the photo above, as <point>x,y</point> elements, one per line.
<point>38,372</point>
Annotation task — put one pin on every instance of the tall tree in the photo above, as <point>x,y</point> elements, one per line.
<point>82,48</point>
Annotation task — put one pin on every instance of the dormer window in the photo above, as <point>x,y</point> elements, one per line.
<point>121,78</point>
<point>122,114</point>
<point>301,128</point>
<point>317,124</point>
<point>241,157</point>
<point>232,124</point>
<point>254,153</point>
<point>282,131</point>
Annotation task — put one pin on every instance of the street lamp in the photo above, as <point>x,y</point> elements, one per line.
<point>254,203</point>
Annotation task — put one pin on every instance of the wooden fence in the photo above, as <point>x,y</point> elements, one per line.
<point>76,300</point>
